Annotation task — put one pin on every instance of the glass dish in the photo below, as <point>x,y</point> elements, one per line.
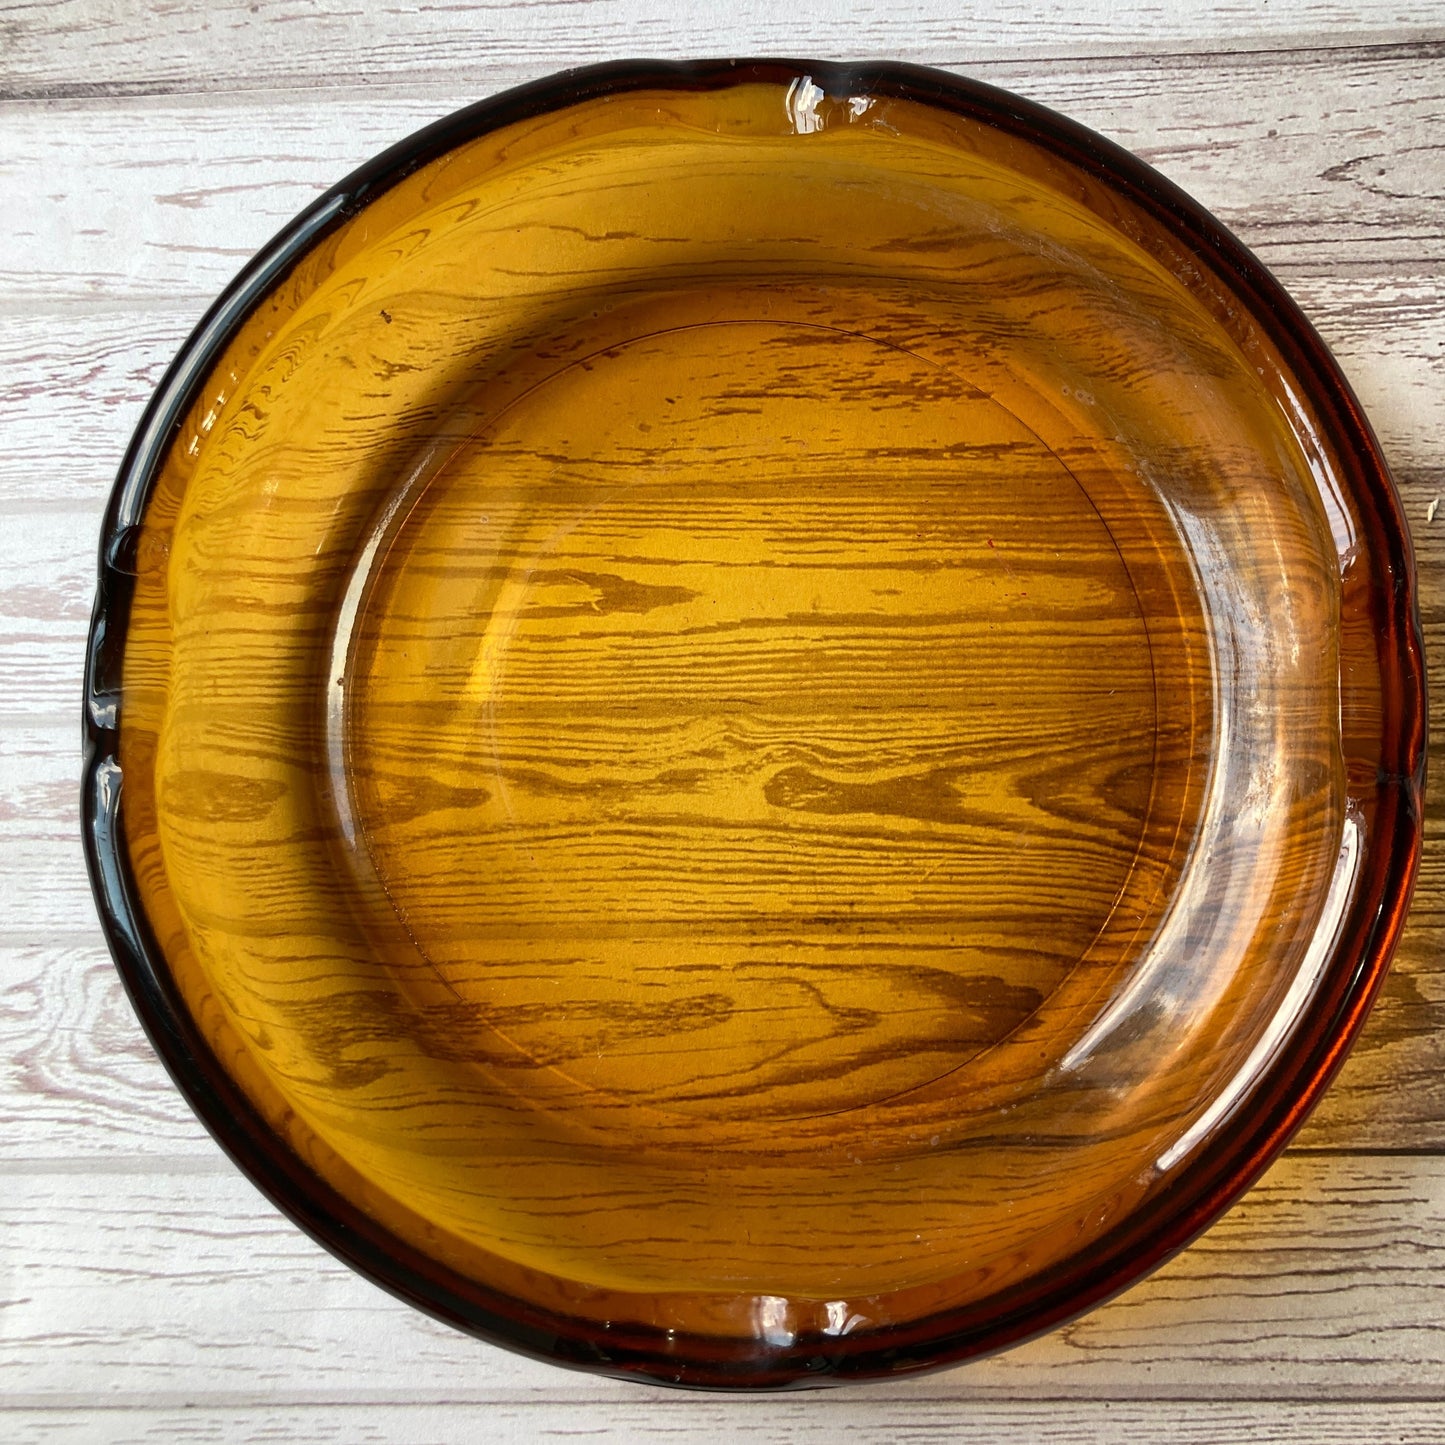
<point>754,723</point>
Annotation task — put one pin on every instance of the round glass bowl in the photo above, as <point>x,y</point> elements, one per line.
<point>754,723</point>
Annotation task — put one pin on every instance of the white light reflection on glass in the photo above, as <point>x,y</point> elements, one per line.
<point>1300,991</point>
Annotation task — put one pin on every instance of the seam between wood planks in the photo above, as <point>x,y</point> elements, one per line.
<point>926,1396</point>
<point>184,304</point>
<point>1408,44</point>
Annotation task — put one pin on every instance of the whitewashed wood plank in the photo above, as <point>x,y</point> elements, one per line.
<point>46,601</point>
<point>58,46</point>
<point>1327,1282</point>
<point>51,531</point>
<point>74,377</point>
<point>78,1080</point>
<point>362,1350</point>
<point>79,380</point>
<point>1390,1092</point>
<point>42,868</point>
<point>1332,151</point>
<point>47,586</point>
<point>1388,337</point>
<point>84,375</point>
<point>77,1077</point>
<point>813,1419</point>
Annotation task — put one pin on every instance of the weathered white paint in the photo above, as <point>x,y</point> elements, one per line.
<point>160,1287</point>
<point>1331,156</point>
<point>147,1293</point>
<point>129,45</point>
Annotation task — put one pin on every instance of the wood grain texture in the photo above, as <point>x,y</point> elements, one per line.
<point>137,46</point>
<point>79,1079</point>
<point>84,369</point>
<point>86,372</point>
<point>1353,161</point>
<point>46,598</point>
<point>79,375</point>
<point>1281,143</point>
<point>807,1422</point>
<point>1326,1283</point>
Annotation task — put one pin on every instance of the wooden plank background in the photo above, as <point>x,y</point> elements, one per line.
<point>147,147</point>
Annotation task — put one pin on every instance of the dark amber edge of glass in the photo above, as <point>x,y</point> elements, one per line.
<point>1220,1171</point>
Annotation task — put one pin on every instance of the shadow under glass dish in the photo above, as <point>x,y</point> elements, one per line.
<point>732,722</point>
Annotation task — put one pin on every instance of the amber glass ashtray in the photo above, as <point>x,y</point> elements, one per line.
<point>754,723</point>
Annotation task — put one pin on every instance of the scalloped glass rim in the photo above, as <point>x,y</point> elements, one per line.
<point>1219,1171</point>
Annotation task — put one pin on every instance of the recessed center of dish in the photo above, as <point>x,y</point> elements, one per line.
<point>753,719</point>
